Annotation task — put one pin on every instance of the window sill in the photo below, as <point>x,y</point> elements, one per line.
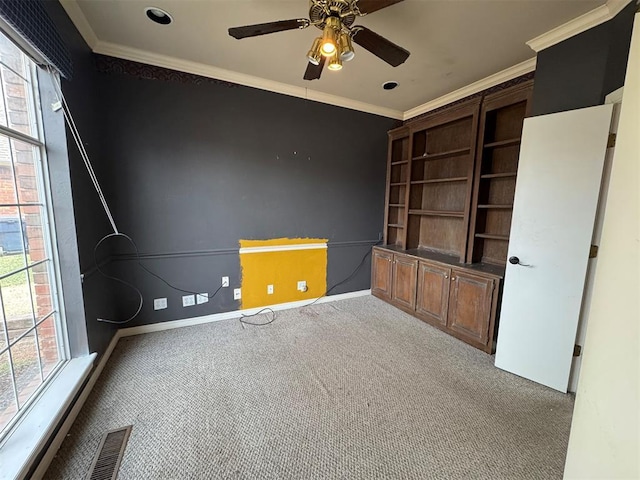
<point>31,433</point>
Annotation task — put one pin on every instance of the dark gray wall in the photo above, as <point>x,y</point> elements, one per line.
<point>197,167</point>
<point>582,70</point>
<point>82,94</point>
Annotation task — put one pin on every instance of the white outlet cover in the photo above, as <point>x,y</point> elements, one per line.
<point>302,285</point>
<point>225,281</point>
<point>237,295</point>
<point>159,303</point>
<point>188,300</point>
<point>202,298</point>
<point>270,289</point>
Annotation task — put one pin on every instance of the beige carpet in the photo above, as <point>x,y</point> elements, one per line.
<point>354,389</point>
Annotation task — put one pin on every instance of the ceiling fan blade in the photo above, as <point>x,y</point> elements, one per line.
<point>313,72</point>
<point>382,48</point>
<point>264,28</point>
<point>370,6</point>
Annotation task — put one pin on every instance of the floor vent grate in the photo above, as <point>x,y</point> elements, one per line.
<point>106,463</point>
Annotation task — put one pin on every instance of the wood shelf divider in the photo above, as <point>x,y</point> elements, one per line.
<point>491,236</point>
<point>396,225</point>
<point>397,205</point>
<point>401,162</point>
<point>440,180</point>
<point>439,155</point>
<point>506,206</point>
<point>437,213</point>
<point>503,143</point>
<point>398,184</point>
<point>499,175</point>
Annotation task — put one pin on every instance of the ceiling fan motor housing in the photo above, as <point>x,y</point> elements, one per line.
<point>320,10</point>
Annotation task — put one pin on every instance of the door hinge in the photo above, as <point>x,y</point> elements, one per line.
<point>593,251</point>
<point>611,142</point>
<point>577,350</point>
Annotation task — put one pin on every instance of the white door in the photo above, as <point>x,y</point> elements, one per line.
<point>559,174</point>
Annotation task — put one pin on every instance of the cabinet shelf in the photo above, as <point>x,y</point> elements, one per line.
<point>398,184</point>
<point>490,236</point>
<point>440,180</point>
<point>437,213</point>
<point>506,206</point>
<point>499,175</point>
<point>395,225</point>
<point>397,205</point>
<point>400,162</point>
<point>503,143</point>
<point>437,156</point>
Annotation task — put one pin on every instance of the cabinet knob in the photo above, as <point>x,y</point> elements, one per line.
<point>446,276</point>
<point>453,278</point>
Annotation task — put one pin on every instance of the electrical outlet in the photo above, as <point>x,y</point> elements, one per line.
<point>202,298</point>
<point>225,281</point>
<point>302,286</point>
<point>237,295</point>
<point>159,303</point>
<point>270,289</point>
<point>188,300</point>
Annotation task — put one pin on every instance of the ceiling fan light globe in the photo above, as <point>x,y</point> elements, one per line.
<point>345,47</point>
<point>314,54</point>
<point>347,56</point>
<point>335,63</point>
<point>328,49</point>
<point>329,37</point>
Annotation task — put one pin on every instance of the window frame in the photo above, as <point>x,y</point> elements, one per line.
<point>52,261</point>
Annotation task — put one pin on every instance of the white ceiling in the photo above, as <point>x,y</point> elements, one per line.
<point>453,43</point>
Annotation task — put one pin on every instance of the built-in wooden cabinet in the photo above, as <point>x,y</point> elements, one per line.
<point>381,274</point>
<point>440,181</point>
<point>397,188</point>
<point>432,301</point>
<point>451,180</point>
<point>501,120</point>
<point>435,289</point>
<point>471,308</point>
<point>394,278</point>
<point>404,280</point>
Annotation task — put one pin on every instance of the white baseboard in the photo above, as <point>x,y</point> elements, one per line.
<point>68,422</point>
<point>216,317</point>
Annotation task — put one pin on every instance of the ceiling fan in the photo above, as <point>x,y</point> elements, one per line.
<point>335,18</point>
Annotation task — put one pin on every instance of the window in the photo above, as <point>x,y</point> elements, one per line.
<point>32,345</point>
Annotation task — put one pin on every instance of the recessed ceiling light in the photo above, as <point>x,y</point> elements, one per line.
<point>390,85</point>
<point>158,15</point>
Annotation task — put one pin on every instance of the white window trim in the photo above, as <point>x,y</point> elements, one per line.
<point>26,436</point>
<point>27,439</point>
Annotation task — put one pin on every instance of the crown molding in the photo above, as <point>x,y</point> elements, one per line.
<point>80,21</point>
<point>488,82</point>
<point>142,56</point>
<point>578,25</point>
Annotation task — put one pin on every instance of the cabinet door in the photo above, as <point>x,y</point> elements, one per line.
<point>381,274</point>
<point>470,300</point>
<point>433,293</point>
<point>405,272</point>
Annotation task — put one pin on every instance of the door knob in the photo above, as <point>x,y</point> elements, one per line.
<point>516,261</point>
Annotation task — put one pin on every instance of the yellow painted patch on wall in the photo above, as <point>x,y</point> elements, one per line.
<point>282,263</point>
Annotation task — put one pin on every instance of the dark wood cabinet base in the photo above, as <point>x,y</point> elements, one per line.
<point>461,300</point>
